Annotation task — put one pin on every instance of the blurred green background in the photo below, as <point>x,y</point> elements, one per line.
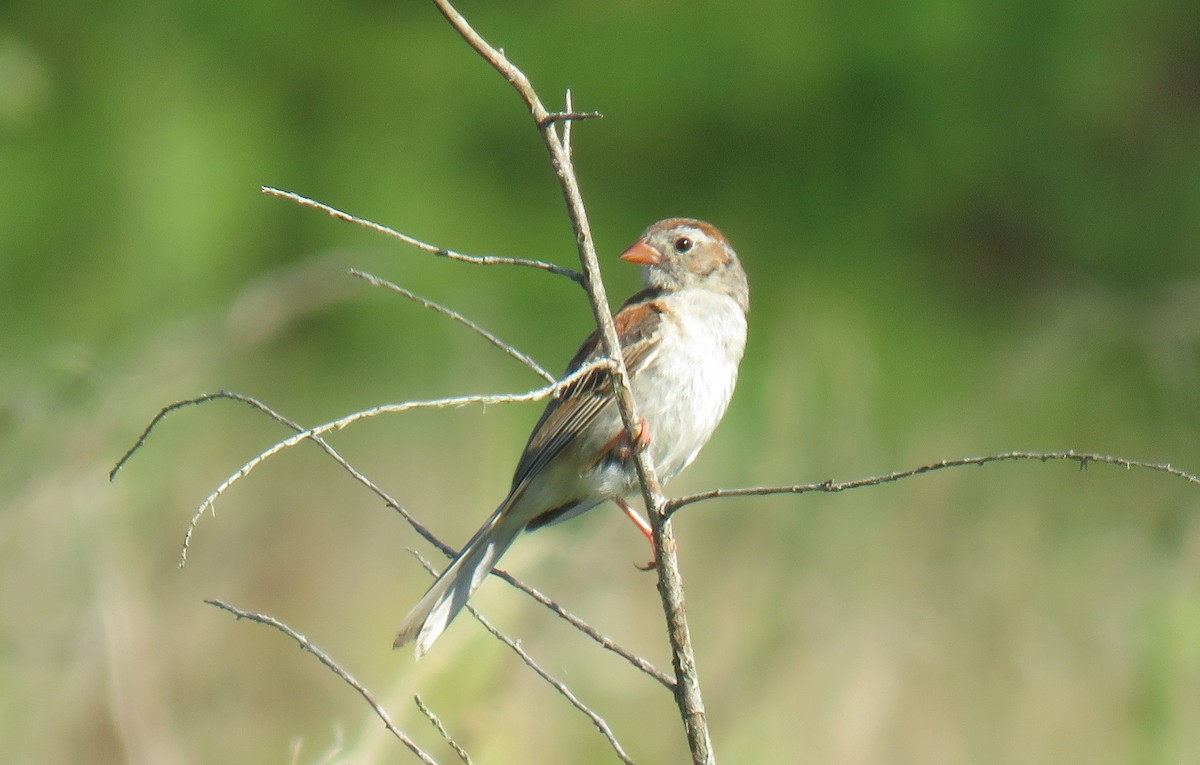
<point>969,228</point>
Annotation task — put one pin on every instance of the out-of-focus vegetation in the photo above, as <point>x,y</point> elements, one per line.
<point>969,228</point>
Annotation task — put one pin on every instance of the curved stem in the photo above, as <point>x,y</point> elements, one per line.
<point>670,580</point>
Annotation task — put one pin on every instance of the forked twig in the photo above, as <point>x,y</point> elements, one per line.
<point>558,685</point>
<point>601,639</point>
<point>604,641</point>
<point>336,668</point>
<point>830,486</point>
<point>442,252</point>
<point>338,424</point>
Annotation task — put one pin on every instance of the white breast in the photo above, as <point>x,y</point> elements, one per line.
<point>683,393</point>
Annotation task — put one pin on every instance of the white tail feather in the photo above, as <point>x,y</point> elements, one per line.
<point>449,593</point>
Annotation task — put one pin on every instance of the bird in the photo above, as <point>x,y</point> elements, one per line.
<point>682,337</point>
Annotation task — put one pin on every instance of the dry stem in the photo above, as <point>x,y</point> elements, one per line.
<point>601,639</point>
<point>325,659</point>
<point>670,582</point>
<point>441,729</point>
<point>830,486</point>
<point>442,252</point>
<point>508,348</point>
<point>338,424</point>
<point>558,685</point>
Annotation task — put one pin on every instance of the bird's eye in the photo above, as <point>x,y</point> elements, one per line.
<point>682,245</point>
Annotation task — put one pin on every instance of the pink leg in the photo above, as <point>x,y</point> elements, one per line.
<point>643,436</point>
<point>643,526</point>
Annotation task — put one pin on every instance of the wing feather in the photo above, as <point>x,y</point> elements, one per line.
<point>637,324</point>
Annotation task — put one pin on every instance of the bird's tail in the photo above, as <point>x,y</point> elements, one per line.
<point>449,593</point>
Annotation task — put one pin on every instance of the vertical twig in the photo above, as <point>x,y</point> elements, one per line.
<point>670,581</point>
<point>569,105</point>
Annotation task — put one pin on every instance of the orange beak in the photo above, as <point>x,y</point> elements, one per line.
<point>642,254</point>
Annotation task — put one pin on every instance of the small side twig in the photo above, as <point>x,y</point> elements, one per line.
<point>830,486</point>
<point>442,252</point>
<point>307,645</point>
<point>520,356</point>
<point>568,116</point>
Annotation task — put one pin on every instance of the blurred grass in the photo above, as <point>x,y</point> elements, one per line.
<point>968,229</point>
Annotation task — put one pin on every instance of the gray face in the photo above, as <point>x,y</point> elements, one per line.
<point>694,254</point>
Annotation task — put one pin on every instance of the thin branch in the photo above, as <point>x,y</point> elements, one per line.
<point>324,658</point>
<point>162,413</point>
<point>260,406</point>
<point>830,486</point>
<point>205,398</point>
<point>604,641</point>
<point>487,260</point>
<point>601,639</point>
<point>564,691</point>
<point>670,582</point>
<point>441,403</point>
<point>438,307</point>
<point>579,624</point>
<point>441,729</point>
<point>569,116</point>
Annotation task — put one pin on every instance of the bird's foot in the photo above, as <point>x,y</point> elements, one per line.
<point>643,526</point>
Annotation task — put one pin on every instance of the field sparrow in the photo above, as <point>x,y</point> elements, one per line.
<point>682,338</point>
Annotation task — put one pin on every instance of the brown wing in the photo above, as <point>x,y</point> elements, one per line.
<point>637,324</point>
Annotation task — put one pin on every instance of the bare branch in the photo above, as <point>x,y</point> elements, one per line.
<point>437,724</point>
<point>438,307</point>
<point>601,639</point>
<point>162,413</point>
<point>569,116</point>
<point>830,486</point>
<point>670,581</point>
<point>564,691</point>
<point>336,668</point>
<point>604,641</point>
<point>305,435</point>
<point>441,252</point>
